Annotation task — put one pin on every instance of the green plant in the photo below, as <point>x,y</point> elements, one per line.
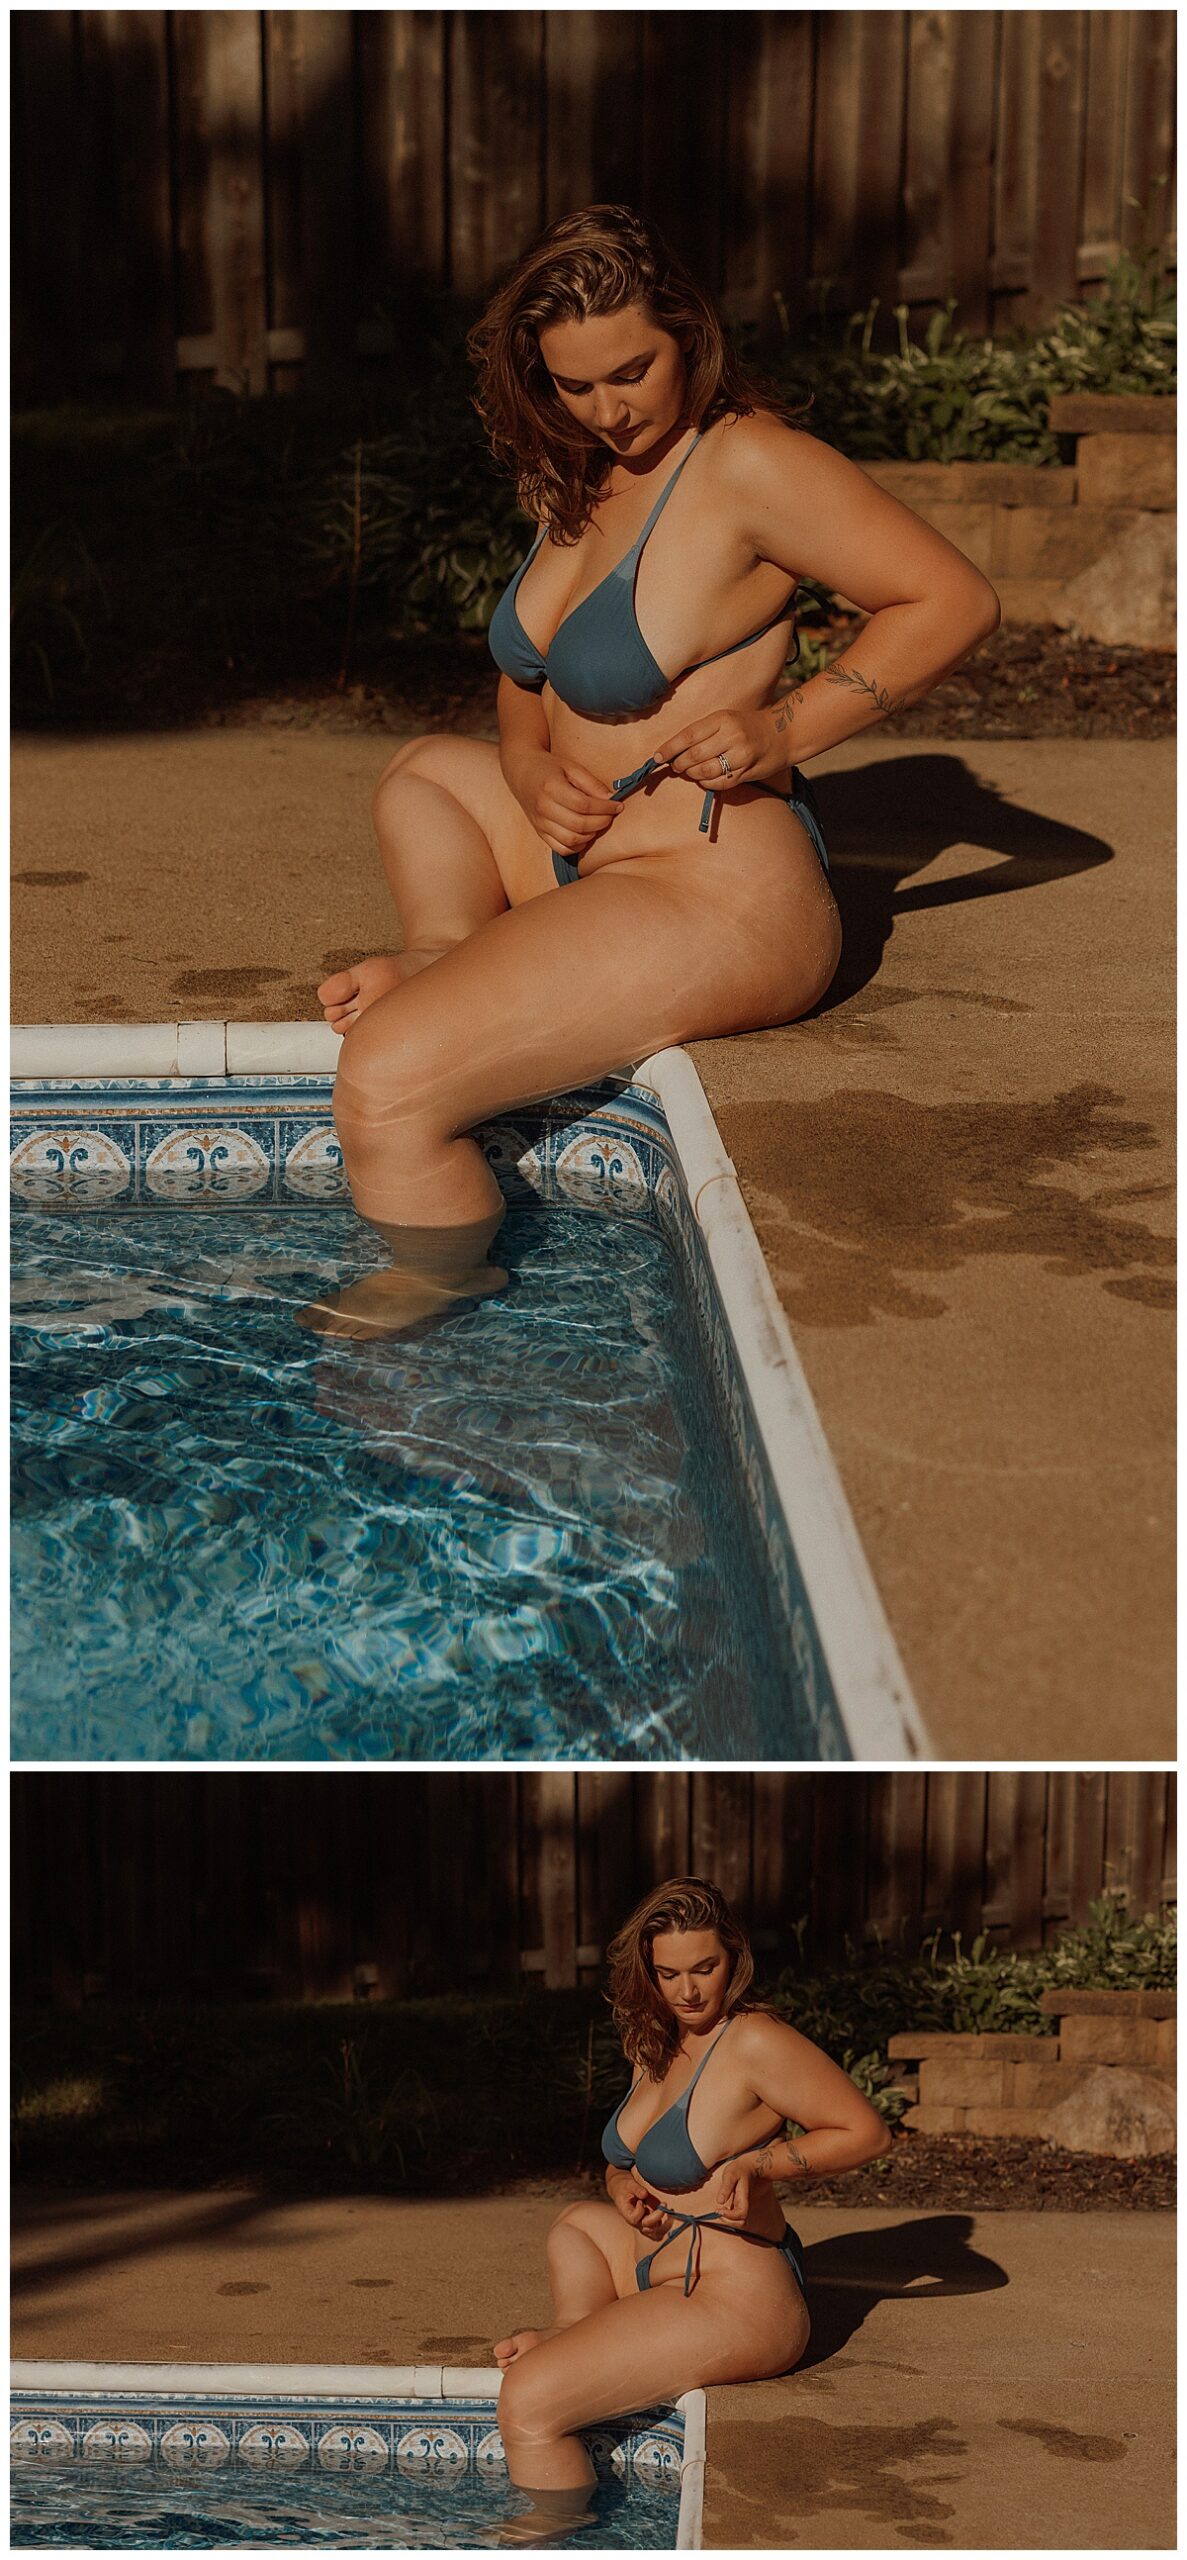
<point>952,396</point>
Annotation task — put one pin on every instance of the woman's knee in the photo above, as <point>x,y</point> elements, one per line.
<point>424,759</point>
<point>524,2406</point>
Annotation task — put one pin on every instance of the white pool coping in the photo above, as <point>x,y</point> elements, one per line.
<point>881,1717</point>
<point>430,2382</point>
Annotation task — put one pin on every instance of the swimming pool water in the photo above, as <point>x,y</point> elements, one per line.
<point>113,2506</point>
<point>519,1533</point>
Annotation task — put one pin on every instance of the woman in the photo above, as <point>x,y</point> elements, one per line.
<point>646,762</point>
<point>689,2273</point>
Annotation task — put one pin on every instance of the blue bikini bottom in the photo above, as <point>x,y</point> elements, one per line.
<point>789,2247</point>
<point>801,798</point>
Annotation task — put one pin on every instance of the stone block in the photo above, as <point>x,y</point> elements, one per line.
<point>1041,2084</point>
<point>1108,2004</point>
<point>934,2119</point>
<point>961,2084</point>
<point>1120,2115</point>
<point>1002,2124</point>
<point>1131,2041</point>
<point>1042,542</point>
<point>1127,596</point>
<point>1109,413</point>
<point>1165,2050</point>
<point>1126,471</point>
<point>1004,484</point>
<point>972,2048</point>
<point>1028,600</point>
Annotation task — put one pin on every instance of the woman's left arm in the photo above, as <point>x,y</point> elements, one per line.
<point>812,513</point>
<point>792,2076</point>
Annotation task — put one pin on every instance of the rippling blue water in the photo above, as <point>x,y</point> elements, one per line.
<point>108,2506</point>
<point>517,1534</point>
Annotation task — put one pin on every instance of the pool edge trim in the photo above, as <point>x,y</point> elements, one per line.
<point>881,1717</point>
<point>431,2383</point>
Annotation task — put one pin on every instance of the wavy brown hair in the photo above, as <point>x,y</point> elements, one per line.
<point>584,266</point>
<point>650,2034</point>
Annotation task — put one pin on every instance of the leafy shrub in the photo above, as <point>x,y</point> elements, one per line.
<point>955,397</point>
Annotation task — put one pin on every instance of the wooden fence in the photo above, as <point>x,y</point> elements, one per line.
<point>265,197</point>
<point>308,1886</point>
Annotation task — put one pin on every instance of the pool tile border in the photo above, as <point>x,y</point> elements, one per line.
<point>332,2419</point>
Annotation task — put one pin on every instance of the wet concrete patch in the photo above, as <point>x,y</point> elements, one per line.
<point>447,2348</point>
<point>243,2288</point>
<point>896,2477</point>
<point>49,879</point>
<point>885,1195</point>
<point>219,985</point>
<point>1066,2442</point>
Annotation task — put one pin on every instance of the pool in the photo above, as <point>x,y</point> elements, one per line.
<point>222,2457</point>
<point>546,1528</point>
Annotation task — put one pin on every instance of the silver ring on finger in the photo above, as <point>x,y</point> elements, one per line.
<point>726,767</point>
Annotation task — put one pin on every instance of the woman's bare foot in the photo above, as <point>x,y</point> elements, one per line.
<point>507,2351</point>
<point>392,1300</point>
<point>347,994</point>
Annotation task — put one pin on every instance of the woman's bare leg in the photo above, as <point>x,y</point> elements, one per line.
<point>551,994</point>
<point>645,2347</point>
<point>591,2261</point>
<point>429,809</point>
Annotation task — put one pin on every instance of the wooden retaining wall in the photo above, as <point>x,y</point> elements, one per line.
<point>259,198</point>
<point>305,1886</point>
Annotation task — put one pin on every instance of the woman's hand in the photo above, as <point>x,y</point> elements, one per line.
<point>732,2190</point>
<point>636,2203</point>
<point>749,741</point>
<point>566,805</point>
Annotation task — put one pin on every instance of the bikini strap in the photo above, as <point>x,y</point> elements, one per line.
<point>657,510</point>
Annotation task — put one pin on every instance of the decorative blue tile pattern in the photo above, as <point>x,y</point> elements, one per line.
<point>193,1141</point>
<point>180,2433</point>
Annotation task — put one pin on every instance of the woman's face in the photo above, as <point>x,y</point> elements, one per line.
<point>692,1972</point>
<point>622,377</point>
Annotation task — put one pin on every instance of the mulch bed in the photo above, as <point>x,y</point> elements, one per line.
<point>1023,683</point>
<point>957,2173</point>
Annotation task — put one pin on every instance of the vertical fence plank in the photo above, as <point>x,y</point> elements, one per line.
<point>556,1794</point>
<point>1149,128</point>
<point>720,1847</point>
<point>1014,176</point>
<point>856,154</point>
<point>838,1860</point>
<point>1106,66</point>
<point>1170,1817</point>
<point>402,179</point>
<point>663,1827</point>
<point>609,1885</point>
<point>684,92</point>
<point>1060,128</point>
<point>283,64</point>
<point>593,94</point>
<point>49,213</point>
<point>1089,1806</point>
<point>495,158</point>
<point>1058,1873</point>
<point>329,236</point>
<point>947,186</point>
<point>235,197</point>
<point>768,175</point>
<point>953,1889</point>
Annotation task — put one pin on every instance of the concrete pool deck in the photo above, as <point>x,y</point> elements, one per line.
<point>959,1170</point>
<point>1004,2380</point>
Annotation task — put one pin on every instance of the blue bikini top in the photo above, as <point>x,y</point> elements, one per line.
<point>667,2157</point>
<point>598,661</point>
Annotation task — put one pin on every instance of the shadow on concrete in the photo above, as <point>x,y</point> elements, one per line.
<point>888,821</point>
<point>908,2262</point>
<point>145,2226</point>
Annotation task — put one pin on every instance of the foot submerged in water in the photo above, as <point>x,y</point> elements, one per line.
<point>393,1300</point>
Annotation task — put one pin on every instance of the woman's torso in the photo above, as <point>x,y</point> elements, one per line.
<point>698,589</point>
<point>722,2118</point>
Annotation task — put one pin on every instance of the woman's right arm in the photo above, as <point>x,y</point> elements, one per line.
<point>567,806</point>
<point>632,2200</point>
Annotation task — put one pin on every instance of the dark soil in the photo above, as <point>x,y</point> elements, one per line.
<point>957,2171</point>
<point>1024,683</point>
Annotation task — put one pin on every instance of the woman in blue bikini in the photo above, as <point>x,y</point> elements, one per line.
<point>647,763</point>
<point>689,2273</point>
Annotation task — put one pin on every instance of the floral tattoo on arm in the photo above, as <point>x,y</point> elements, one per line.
<point>764,2161</point>
<point>879,694</point>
